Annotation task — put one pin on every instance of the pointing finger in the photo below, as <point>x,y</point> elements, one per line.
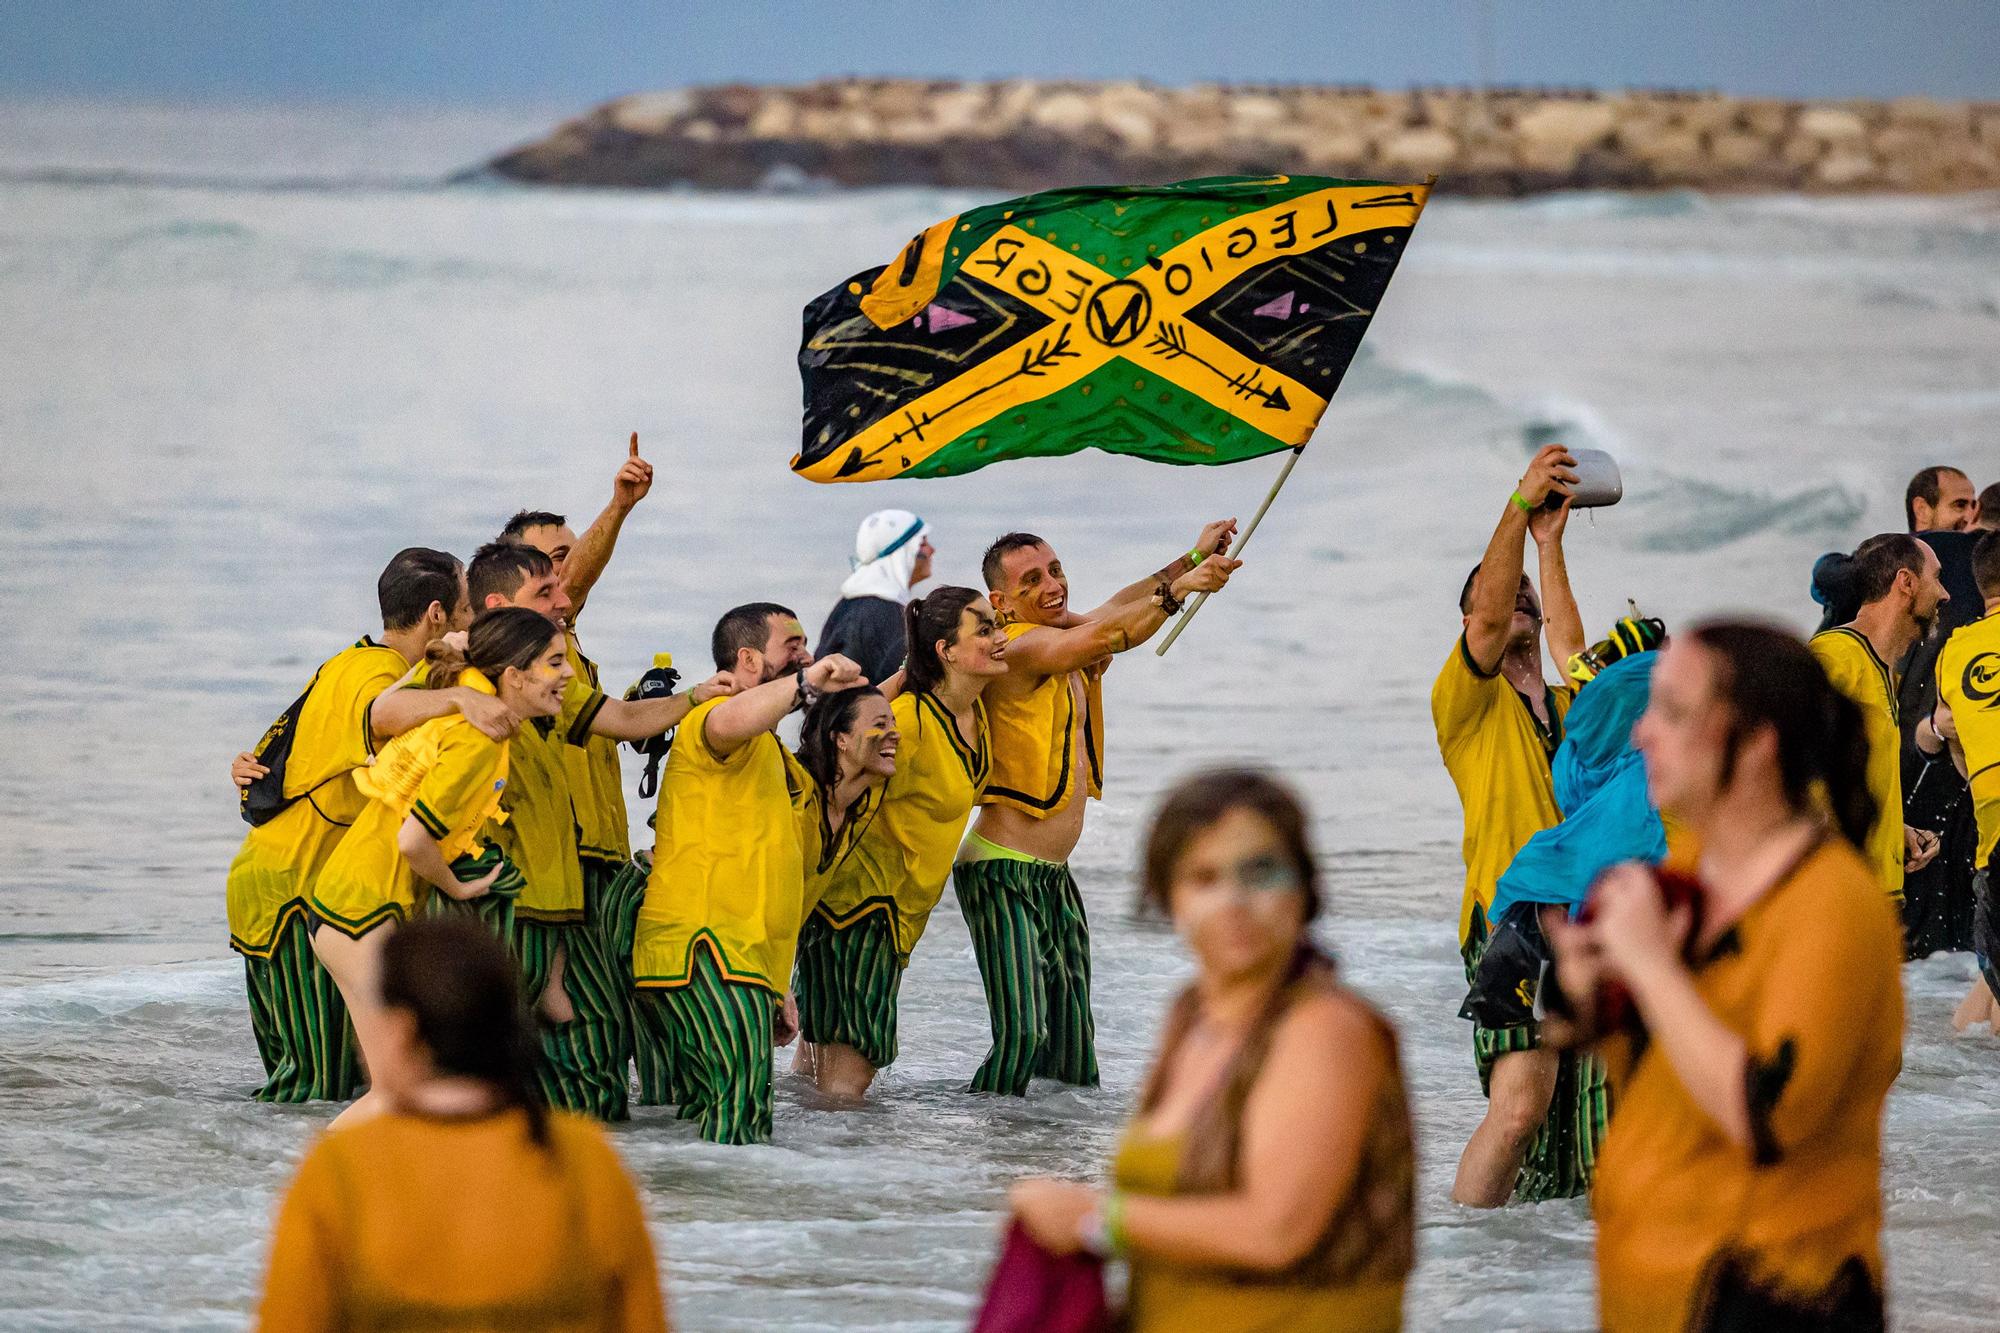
<point>635,445</point>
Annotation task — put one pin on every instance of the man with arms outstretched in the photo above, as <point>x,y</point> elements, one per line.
<point>1047,724</point>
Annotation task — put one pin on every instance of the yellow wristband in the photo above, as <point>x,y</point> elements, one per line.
<point>1521,504</point>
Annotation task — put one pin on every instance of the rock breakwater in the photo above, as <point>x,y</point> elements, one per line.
<point>1030,135</point>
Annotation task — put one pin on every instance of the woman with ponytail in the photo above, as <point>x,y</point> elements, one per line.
<point>1752,1018</point>
<point>857,941</point>
<point>464,1204</point>
<point>1266,1179</point>
<point>430,792</point>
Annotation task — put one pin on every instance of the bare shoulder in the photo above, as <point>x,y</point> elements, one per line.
<point>1330,1019</point>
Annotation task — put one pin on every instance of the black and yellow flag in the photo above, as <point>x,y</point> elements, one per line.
<point>1204,322</point>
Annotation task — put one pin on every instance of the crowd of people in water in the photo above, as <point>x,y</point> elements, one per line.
<point>1693,867</point>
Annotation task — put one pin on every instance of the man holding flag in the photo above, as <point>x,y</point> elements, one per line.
<point>1029,931</point>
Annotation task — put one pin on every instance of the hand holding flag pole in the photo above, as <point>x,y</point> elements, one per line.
<point>1237,552</point>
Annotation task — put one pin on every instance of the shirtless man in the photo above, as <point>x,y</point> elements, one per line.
<point>1047,724</point>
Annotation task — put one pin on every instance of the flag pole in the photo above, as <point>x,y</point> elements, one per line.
<point>1240,547</point>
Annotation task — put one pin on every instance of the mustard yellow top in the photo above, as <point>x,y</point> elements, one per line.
<point>1810,979</point>
<point>1498,757</point>
<point>900,865</point>
<point>1855,670</point>
<point>542,811</point>
<point>446,773</point>
<point>1968,674</point>
<point>729,864</point>
<point>596,781</point>
<point>1034,738</point>
<point>273,872</point>
<point>411,1222</point>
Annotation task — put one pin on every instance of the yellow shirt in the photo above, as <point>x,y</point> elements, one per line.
<point>1855,670</point>
<point>902,862</point>
<point>543,811</point>
<point>1968,674</point>
<point>1033,740</point>
<point>446,773</point>
<point>729,864</point>
<point>596,782</point>
<point>408,1222</point>
<point>1810,979</point>
<point>273,872</point>
<point>1498,757</point>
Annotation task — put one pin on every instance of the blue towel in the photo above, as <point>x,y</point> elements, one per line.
<point>1600,785</point>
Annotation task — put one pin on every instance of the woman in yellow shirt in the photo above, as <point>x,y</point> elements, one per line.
<point>1267,1179</point>
<point>464,1205</point>
<point>430,791</point>
<point>1752,1031</point>
<point>855,945</point>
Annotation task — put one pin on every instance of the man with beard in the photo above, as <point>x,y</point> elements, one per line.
<point>1940,499</point>
<point>1498,725</point>
<point>1896,579</point>
<point>1046,723</point>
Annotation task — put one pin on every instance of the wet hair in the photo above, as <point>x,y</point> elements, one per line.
<point>1873,568</point>
<point>1924,486</point>
<point>925,621</point>
<point>1768,677</point>
<point>458,981</point>
<point>1465,591</point>
<point>1196,804</point>
<point>502,567</point>
<point>828,719</point>
<point>1986,563</point>
<point>1989,506</point>
<point>505,636</point>
<point>989,564</point>
<point>745,626</point>
<point>517,526</point>
<point>414,578</point>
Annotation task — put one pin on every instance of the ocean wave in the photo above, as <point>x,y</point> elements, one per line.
<point>1682,515</point>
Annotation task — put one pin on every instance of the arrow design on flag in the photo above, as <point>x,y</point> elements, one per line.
<point>1171,343</point>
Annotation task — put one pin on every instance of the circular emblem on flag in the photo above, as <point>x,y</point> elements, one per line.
<point>1118,312</point>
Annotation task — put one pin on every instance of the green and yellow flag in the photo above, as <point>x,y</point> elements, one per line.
<point>1204,322</point>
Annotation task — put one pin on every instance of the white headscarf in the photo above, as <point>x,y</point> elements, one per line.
<point>885,555</point>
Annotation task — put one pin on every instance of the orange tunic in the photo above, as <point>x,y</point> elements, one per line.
<point>408,1221</point>
<point>1810,979</point>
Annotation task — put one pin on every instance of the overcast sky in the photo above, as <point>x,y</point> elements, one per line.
<point>582,51</point>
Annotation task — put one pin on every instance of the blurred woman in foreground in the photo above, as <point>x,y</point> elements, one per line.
<point>1739,1186</point>
<point>464,1205</point>
<point>1266,1179</point>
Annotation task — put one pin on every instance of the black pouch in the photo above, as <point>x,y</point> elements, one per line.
<point>264,799</point>
<point>658,682</point>
<point>1510,971</point>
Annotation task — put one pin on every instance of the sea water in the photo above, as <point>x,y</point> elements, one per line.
<point>251,352</point>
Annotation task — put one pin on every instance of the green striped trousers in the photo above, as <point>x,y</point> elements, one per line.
<point>717,1035</point>
<point>303,1033</point>
<point>1562,1159</point>
<point>582,1067</point>
<point>846,984</point>
<point>1032,941</point>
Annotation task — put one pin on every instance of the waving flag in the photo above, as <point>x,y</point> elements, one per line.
<point>1204,322</point>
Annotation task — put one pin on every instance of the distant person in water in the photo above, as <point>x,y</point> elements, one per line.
<point>1046,717</point>
<point>430,795</point>
<point>1896,578</point>
<point>1754,1027</point>
<point>1940,499</point>
<point>464,1205</point>
<point>1498,724</point>
<point>857,942</point>
<point>1266,1179</point>
<point>298,791</point>
<point>892,554</point>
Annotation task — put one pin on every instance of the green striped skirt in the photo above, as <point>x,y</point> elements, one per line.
<point>304,1036</point>
<point>717,1036</point>
<point>846,985</point>
<point>1032,941</point>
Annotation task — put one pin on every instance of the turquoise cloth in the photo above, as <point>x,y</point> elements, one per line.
<point>1600,786</point>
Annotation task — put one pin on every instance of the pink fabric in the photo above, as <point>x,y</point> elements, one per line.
<point>1033,1291</point>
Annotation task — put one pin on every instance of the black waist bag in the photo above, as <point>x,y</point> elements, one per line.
<point>264,799</point>
<point>1510,971</point>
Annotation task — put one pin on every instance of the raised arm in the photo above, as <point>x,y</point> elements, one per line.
<point>1214,540</point>
<point>1049,650</point>
<point>592,552</point>
<point>732,724</point>
<point>638,719</point>
<point>1499,581</point>
<point>1562,623</point>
